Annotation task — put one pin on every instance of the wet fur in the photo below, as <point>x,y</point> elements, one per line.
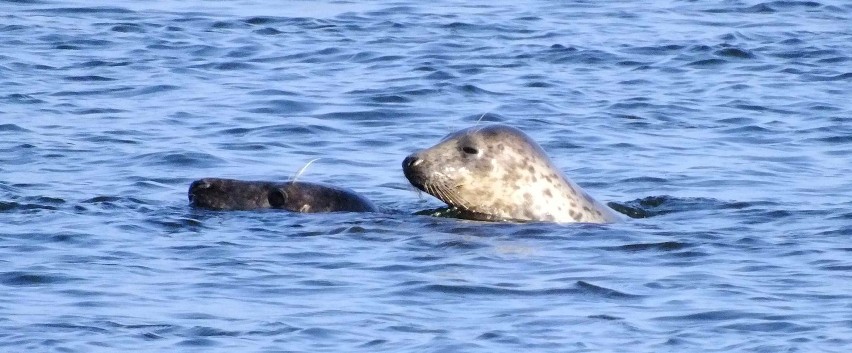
<point>499,172</point>
<point>232,194</point>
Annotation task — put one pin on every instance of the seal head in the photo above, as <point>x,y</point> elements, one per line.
<point>232,194</point>
<point>496,172</point>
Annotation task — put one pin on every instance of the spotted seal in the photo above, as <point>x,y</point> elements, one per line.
<point>232,194</point>
<point>496,172</point>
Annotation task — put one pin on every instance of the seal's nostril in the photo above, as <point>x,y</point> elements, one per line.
<point>411,161</point>
<point>199,184</point>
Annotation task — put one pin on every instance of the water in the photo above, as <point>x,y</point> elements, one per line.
<point>727,126</point>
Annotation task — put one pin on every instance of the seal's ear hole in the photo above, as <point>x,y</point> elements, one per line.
<point>277,198</point>
<point>470,150</point>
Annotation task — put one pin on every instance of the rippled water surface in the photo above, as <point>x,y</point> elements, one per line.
<point>726,127</point>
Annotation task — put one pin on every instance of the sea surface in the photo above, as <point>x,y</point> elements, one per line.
<point>723,127</point>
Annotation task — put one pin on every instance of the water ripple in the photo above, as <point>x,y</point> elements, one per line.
<point>721,130</point>
<point>27,279</point>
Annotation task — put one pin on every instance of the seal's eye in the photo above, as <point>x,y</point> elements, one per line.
<point>470,150</point>
<point>277,198</point>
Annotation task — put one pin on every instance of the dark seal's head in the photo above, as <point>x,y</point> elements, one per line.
<point>315,197</point>
<point>500,172</point>
<point>231,194</point>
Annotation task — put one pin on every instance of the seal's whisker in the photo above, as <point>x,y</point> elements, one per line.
<point>434,190</point>
<point>459,197</point>
<point>448,196</point>
<point>418,192</point>
<point>428,188</point>
<point>453,197</point>
<point>480,118</point>
<point>303,169</point>
<point>437,192</point>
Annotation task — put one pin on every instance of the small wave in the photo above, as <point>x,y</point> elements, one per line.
<point>291,130</point>
<point>128,28</point>
<point>473,89</point>
<point>662,246</point>
<point>762,8</point>
<point>735,53</point>
<point>820,78</point>
<point>283,107</point>
<point>580,288</point>
<point>707,63</point>
<point>268,31</point>
<point>490,290</point>
<point>73,328</point>
<point>12,28</point>
<point>365,115</point>
<point>31,203</point>
<point>110,202</point>
<point>89,111</point>
<point>839,139</point>
<point>85,10</point>
<point>226,66</point>
<point>600,291</point>
<point>180,159</point>
<point>226,25</point>
<point>714,315</point>
<point>79,44</point>
<point>198,342</point>
<point>30,279</point>
<point>264,20</point>
<point>559,54</point>
<point>776,326</point>
<point>94,92</point>
<point>440,75</point>
<point>88,78</point>
<point>644,179</point>
<point>652,206</point>
<point>12,128</point>
<point>17,206</point>
<point>20,99</point>
<point>656,50</point>
<point>99,63</point>
<point>794,4</point>
<point>273,92</point>
<point>538,84</point>
<point>202,331</point>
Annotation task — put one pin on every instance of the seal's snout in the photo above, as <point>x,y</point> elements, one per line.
<point>410,168</point>
<point>196,187</point>
<point>411,162</point>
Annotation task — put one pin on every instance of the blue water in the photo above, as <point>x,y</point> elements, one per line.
<point>727,127</point>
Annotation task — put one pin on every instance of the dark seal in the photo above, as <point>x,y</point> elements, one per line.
<point>498,173</point>
<point>231,194</point>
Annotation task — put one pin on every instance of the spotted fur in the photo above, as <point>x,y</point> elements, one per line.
<point>499,172</point>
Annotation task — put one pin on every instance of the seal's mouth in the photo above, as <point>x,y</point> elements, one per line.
<point>433,184</point>
<point>418,173</point>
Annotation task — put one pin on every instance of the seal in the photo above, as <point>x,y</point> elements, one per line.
<point>232,194</point>
<point>498,173</point>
